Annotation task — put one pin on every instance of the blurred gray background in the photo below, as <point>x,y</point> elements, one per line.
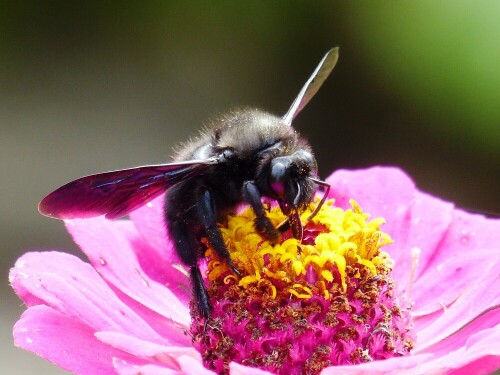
<point>93,86</point>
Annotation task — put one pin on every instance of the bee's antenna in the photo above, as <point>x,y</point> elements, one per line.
<point>326,185</point>
<point>313,84</point>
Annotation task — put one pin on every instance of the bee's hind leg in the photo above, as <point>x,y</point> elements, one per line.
<point>188,249</point>
<point>200,292</point>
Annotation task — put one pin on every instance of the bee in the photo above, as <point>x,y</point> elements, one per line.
<point>244,156</point>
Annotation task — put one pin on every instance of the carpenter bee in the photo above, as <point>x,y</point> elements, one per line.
<point>246,155</point>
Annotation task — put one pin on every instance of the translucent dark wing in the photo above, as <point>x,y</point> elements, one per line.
<point>313,84</point>
<point>117,193</point>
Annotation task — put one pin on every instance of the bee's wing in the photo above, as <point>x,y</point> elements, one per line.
<point>117,193</point>
<point>313,84</point>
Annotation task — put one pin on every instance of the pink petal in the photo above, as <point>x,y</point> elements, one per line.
<point>168,329</point>
<point>471,242</point>
<point>166,355</point>
<point>73,288</point>
<point>124,367</point>
<point>150,223</point>
<point>190,366</point>
<point>439,288</point>
<point>391,366</point>
<point>480,355</point>
<point>458,339</point>
<point>468,233</point>
<point>428,223</point>
<point>478,297</point>
<point>63,341</point>
<point>381,191</point>
<point>108,249</point>
<point>158,269</point>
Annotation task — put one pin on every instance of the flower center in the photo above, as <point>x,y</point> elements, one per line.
<point>300,306</point>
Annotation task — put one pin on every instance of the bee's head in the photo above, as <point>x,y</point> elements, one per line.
<point>288,180</point>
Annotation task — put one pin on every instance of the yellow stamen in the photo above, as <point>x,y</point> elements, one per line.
<point>230,277</point>
<point>270,286</point>
<point>338,245</point>
<point>308,292</point>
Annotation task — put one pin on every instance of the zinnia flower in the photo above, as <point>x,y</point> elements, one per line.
<point>425,302</point>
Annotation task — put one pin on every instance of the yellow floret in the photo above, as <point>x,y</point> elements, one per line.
<point>348,242</point>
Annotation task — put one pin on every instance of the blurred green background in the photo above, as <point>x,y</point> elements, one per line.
<point>92,86</point>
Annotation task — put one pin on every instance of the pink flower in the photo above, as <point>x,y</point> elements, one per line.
<point>128,313</point>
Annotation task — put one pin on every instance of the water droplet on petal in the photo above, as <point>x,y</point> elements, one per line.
<point>29,340</point>
<point>149,204</point>
<point>465,236</point>
<point>102,261</point>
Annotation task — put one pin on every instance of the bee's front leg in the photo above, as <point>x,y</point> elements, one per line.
<point>266,229</point>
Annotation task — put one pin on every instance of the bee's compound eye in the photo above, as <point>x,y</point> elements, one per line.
<point>278,171</point>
